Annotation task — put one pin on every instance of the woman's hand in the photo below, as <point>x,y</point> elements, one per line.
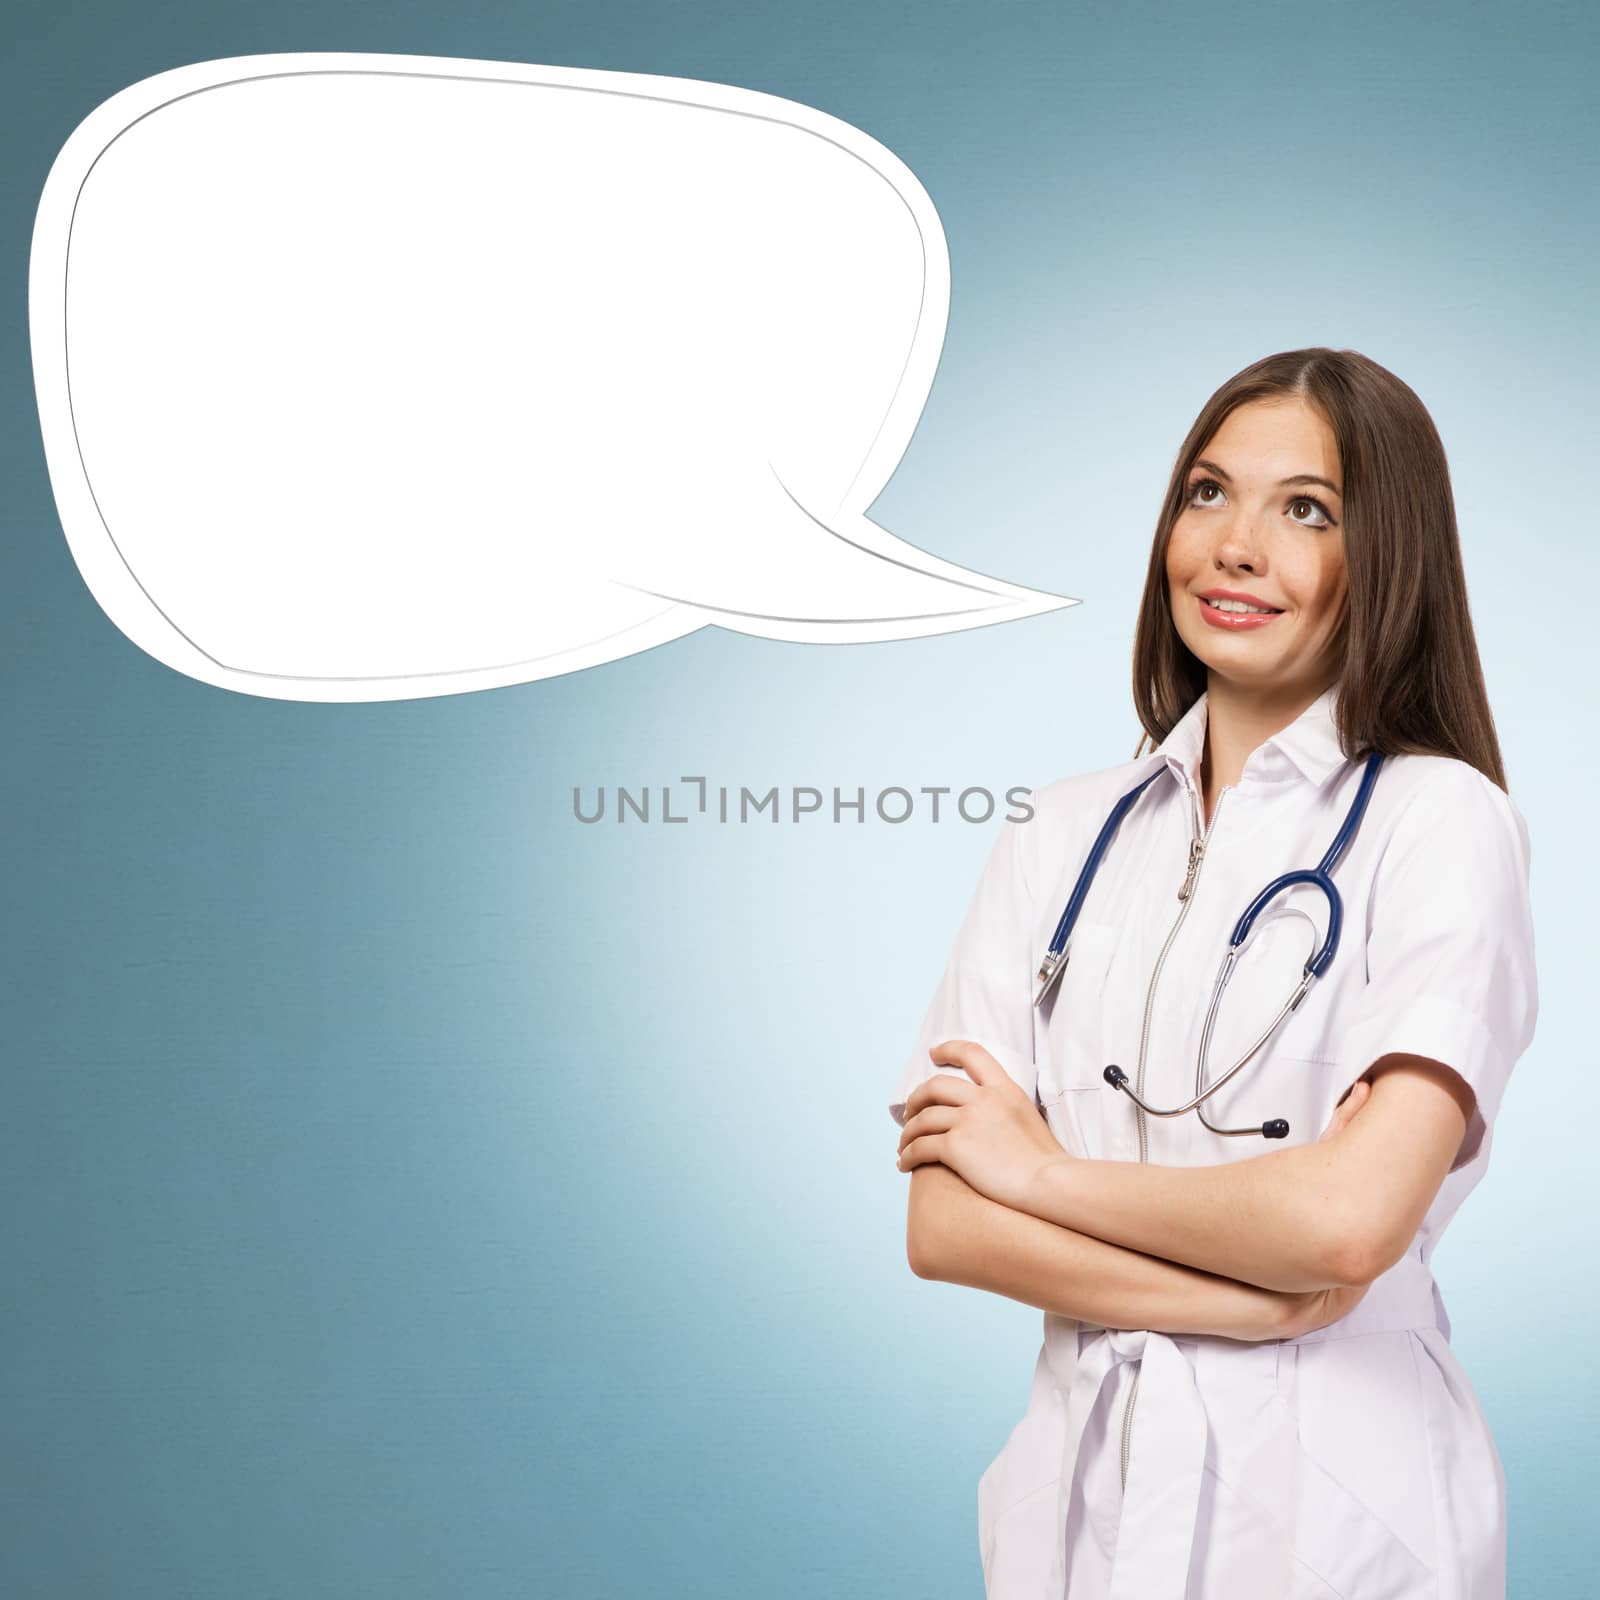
<point>987,1131</point>
<point>1319,1307</point>
<point>1307,1310</point>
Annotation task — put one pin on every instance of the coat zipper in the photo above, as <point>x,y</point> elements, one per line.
<point>1197,850</point>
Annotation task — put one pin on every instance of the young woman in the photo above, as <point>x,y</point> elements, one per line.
<point>1246,1387</point>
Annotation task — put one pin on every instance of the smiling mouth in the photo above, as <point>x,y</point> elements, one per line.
<point>1237,608</point>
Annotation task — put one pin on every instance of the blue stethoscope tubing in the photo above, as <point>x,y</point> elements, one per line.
<point>1319,876</point>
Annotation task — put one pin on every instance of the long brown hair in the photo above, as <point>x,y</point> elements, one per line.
<point>1411,679</point>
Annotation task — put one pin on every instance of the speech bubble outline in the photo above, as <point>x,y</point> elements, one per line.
<point>273,538</point>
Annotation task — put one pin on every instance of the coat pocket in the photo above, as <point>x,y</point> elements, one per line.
<point>1275,1084</point>
<point>1360,1507</point>
<point>1017,1493</point>
<point>1346,1547</point>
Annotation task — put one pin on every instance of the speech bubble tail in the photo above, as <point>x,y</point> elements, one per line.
<point>962,613</point>
<point>801,573</point>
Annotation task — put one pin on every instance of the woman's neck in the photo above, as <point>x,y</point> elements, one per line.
<point>1237,722</point>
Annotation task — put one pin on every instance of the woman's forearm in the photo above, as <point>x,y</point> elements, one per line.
<point>957,1235</point>
<point>1275,1220</point>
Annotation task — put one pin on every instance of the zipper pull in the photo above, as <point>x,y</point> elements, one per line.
<point>1196,850</point>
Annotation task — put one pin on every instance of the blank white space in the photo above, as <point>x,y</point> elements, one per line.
<point>365,377</point>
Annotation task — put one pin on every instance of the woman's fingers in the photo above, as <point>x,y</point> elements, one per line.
<point>1347,1108</point>
<point>1326,1306</point>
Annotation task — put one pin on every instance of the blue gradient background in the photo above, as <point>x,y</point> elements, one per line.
<point>409,1191</point>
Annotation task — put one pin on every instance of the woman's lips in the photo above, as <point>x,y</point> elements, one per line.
<point>1235,621</point>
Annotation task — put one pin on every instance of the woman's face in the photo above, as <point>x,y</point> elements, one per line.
<point>1262,523</point>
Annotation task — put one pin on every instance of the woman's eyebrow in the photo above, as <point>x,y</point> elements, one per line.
<point>1301,477</point>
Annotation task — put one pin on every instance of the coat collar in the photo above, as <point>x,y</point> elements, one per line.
<point>1308,747</point>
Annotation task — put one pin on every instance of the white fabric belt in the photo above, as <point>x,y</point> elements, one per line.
<point>1161,1499</point>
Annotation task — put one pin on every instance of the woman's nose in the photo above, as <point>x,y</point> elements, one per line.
<point>1239,546</point>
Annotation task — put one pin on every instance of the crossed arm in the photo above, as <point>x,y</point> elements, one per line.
<point>957,1235</point>
<point>1257,1245</point>
<point>1337,1212</point>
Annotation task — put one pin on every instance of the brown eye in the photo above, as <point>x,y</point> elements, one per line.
<point>1316,506</point>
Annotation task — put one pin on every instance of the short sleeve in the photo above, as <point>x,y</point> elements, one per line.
<point>1450,959</point>
<point>986,991</point>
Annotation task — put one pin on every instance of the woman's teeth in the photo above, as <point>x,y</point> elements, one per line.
<point>1239,605</point>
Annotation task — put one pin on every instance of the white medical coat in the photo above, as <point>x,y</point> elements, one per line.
<point>1353,1461</point>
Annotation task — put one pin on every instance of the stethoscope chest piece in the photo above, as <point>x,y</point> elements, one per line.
<point>1049,975</point>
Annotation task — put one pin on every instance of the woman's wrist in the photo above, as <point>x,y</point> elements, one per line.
<point>1256,1315</point>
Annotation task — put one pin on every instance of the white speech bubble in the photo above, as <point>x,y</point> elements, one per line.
<point>368,377</point>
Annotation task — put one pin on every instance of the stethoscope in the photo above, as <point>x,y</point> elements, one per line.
<point>1055,958</point>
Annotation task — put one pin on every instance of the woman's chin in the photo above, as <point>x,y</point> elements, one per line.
<point>1243,668</point>
<point>1238,656</point>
